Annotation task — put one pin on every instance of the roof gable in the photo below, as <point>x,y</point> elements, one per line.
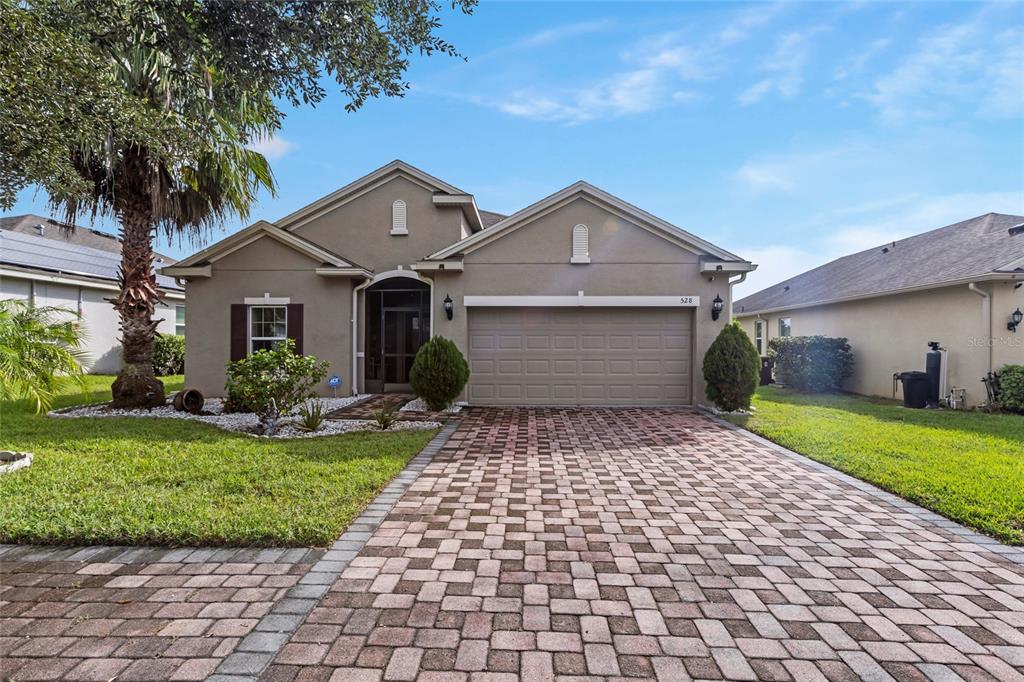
<point>978,248</point>
<point>584,190</point>
<point>374,179</point>
<point>258,230</point>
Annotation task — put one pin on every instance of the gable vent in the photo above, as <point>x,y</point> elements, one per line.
<point>398,224</point>
<point>1016,229</point>
<point>580,244</point>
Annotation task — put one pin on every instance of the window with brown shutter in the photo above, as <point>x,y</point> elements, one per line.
<point>239,331</point>
<point>295,326</point>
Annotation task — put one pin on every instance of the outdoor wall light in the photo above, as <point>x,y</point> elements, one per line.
<point>717,306</point>
<point>1015,319</point>
<point>449,306</point>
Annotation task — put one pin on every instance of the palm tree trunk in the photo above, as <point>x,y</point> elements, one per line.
<point>136,384</point>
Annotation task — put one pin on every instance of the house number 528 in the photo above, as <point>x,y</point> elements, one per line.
<point>686,300</point>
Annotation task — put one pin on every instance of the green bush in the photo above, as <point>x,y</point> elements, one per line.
<point>1011,388</point>
<point>439,373</point>
<point>731,369</point>
<point>168,354</point>
<point>280,375</point>
<point>812,364</point>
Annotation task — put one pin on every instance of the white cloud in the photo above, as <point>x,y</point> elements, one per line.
<point>775,263</point>
<point>557,34</point>
<point>976,63</point>
<point>761,177</point>
<point>858,62</point>
<point>784,67</point>
<point>273,147</point>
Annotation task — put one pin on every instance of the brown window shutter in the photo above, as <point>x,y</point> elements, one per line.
<point>295,329</point>
<point>239,335</point>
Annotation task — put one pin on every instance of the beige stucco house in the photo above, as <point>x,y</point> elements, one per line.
<point>578,299</point>
<point>958,285</point>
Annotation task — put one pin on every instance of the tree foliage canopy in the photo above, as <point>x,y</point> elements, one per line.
<point>223,69</point>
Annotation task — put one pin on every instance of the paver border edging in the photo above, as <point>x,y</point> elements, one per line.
<point>1008,552</point>
<point>257,650</point>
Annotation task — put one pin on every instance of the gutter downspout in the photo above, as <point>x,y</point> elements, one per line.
<point>355,331</point>
<point>986,316</point>
<point>743,277</point>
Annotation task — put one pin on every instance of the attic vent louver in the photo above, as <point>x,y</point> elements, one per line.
<point>1016,229</point>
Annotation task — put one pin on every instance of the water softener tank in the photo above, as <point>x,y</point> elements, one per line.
<point>933,367</point>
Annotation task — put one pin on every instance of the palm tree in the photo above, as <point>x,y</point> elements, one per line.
<point>179,194</point>
<point>39,351</point>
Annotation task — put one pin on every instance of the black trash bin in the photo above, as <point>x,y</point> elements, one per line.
<point>767,365</point>
<point>915,389</point>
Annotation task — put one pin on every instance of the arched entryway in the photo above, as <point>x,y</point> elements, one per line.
<point>397,324</point>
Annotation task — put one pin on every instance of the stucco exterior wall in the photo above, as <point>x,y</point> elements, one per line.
<point>360,229</point>
<point>626,260</point>
<point>99,319</point>
<point>265,267</point>
<point>890,334</point>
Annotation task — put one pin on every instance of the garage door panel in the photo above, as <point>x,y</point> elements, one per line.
<point>566,356</point>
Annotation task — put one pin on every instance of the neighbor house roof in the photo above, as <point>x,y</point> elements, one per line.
<point>55,230</point>
<point>59,257</point>
<point>981,248</point>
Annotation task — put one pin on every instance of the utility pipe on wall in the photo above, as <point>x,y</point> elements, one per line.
<point>986,316</point>
<point>732,282</point>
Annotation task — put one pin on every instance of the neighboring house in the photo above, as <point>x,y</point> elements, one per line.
<point>42,262</point>
<point>958,285</point>
<point>579,298</point>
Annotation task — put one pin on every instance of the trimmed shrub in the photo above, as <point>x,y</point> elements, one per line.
<point>439,373</point>
<point>280,378</point>
<point>168,354</point>
<point>731,369</point>
<point>812,364</point>
<point>1011,388</point>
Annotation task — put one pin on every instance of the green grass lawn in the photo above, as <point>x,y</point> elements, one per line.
<point>967,466</point>
<point>175,482</point>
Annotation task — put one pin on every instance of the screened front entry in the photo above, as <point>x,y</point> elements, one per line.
<point>397,324</point>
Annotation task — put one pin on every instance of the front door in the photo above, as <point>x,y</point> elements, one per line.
<point>397,324</point>
<point>401,339</point>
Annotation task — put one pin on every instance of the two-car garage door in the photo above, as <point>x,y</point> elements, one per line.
<point>580,356</point>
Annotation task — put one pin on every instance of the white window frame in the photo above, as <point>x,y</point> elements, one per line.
<point>789,327</point>
<point>180,326</point>
<point>580,247</point>
<point>759,336</point>
<point>252,338</point>
<point>399,217</point>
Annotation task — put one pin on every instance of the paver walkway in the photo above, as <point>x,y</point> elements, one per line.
<point>106,613</point>
<point>606,544</point>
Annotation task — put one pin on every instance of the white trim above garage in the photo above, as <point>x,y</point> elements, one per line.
<point>581,301</point>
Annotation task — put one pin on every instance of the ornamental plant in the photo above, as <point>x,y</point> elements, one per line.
<point>1011,388</point>
<point>439,373</point>
<point>731,369</point>
<point>812,364</point>
<point>272,382</point>
<point>169,355</point>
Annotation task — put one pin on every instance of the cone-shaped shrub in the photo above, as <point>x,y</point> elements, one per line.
<point>731,369</point>
<point>439,373</point>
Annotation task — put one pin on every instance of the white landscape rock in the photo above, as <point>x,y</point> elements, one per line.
<point>419,405</point>
<point>246,422</point>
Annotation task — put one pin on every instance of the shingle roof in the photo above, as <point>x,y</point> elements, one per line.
<point>54,229</point>
<point>54,255</point>
<point>488,218</point>
<point>972,248</point>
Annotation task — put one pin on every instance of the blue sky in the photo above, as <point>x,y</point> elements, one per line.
<point>788,133</point>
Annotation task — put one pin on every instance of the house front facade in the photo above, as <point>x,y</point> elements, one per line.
<point>578,299</point>
<point>958,285</point>
<point>41,262</point>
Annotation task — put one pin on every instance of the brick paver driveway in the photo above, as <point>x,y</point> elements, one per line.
<point>600,544</point>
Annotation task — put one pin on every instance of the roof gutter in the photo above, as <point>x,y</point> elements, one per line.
<point>986,317</point>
